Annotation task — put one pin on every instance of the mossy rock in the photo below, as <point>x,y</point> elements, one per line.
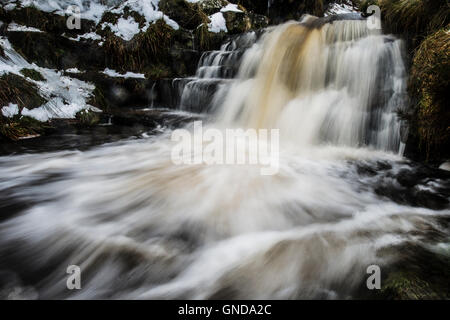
<point>21,127</point>
<point>87,118</point>
<point>47,22</point>
<point>187,15</point>
<point>237,22</point>
<point>15,89</point>
<point>407,286</point>
<point>56,52</point>
<point>430,84</point>
<point>32,74</point>
<point>419,274</point>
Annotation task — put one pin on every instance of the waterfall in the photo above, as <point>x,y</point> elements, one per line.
<point>334,82</point>
<point>140,226</point>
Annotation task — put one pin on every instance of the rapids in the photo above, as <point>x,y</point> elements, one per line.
<point>141,227</point>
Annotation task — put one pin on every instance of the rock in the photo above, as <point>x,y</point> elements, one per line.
<point>445,166</point>
<point>57,52</point>
<point>210,7</point>
<point>87,118</point>
<point>258,21</point>
<point>188,15</point>
<point>237,22</point>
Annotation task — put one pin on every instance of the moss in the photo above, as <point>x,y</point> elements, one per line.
<point>21,127</point>
<point>419,273</point>
<point>32,74</point>
<point>17,90</point>
<point>158,71</point>
<point>98,99</point>
<point>87,118</point>
<point>430,84</point>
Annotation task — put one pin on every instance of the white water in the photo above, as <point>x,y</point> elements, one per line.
<point>141,227</point>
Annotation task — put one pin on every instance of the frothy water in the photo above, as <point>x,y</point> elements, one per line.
<point>141,227</point>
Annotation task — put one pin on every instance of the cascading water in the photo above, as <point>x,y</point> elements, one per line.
<point>140,226</point>
<point>335,82</point>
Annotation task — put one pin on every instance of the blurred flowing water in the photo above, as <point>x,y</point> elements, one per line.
<point>141,227</point>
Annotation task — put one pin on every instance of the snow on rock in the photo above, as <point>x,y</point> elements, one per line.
<point>217,23</point>
<point>339,8</point>
<point>114,74</point>
<point>231,7</point>
<point>91,35</point>
<point>65,96</point>
<point>10,110</point>
<point>146,8</point>
<point>16,27</point>
<point>125,28</point>
<point>73,70</point>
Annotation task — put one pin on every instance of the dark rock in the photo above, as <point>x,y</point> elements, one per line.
<point>188,15</point>
<point>237,22</point>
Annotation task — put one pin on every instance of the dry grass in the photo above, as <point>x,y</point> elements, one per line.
<point>419,17</point>
<point>430,84</point>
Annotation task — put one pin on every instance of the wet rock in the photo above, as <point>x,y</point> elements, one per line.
<point>419,274</point>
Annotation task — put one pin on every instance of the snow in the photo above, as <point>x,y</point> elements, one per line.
<point>217,23</point>
<point>91,35</point>
<point>10,110</point>
<point>336,8</point>
<point>231,7</point>
<point>65,96</point>
<point>90,10</point>
<point>125,29</point>
<point>147,9</point>
<point>73,70</point>
<point>115,74</point>
<point>10,6</point>
<point>17,27</point>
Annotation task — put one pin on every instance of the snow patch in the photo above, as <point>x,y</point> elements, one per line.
<point>10,110</point>
<point>17,27</point>
<point>91,35</point>
<point>231,7</point>
<point>217,23</point>
<point>125,28</point>
<point>115,74</point>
